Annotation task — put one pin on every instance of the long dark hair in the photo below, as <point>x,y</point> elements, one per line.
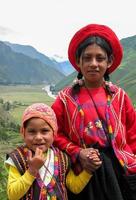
<point>80,50</point>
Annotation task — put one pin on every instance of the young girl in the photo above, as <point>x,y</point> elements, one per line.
<point>37,170</point>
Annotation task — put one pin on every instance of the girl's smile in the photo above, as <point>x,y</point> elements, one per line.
<point>38,134</point>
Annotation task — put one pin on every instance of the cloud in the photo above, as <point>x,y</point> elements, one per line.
<point>5,31</point>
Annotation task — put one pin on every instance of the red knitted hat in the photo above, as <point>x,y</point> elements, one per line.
<point>96,30</point>
<point>42,111</point>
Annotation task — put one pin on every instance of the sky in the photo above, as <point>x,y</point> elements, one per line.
<point>48,25</point>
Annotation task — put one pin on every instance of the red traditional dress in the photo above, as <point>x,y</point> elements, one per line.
<point>112,124</point>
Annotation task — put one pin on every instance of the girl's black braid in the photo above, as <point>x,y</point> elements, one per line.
<point>79,75</point>
<point>76,87</point>
<point>107,78</point>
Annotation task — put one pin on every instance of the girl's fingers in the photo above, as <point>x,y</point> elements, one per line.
<point>29,155</point>
<point>96,151</point>
<point>93,156</point>
<point>95,159</point>
<point>38,152</point>
<point>92,167</point>
<point>93,153</point>
<point>96,164</point>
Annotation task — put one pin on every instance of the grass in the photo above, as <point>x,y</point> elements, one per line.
<point>24,95</point>
<point>17,113</point>
<point>6,147</point>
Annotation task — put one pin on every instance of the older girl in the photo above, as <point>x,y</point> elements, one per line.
<point>96,113</point>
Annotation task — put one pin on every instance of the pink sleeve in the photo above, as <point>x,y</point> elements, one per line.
<point>62,141</point>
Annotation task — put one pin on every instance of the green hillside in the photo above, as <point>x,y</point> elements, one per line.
<point>17,68</point>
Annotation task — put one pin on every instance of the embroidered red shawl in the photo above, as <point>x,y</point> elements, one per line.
<point>73,125</point>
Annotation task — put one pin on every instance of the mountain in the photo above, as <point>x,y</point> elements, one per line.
<point>64,67</point>
<point>68,80</point>
<point>124,76</point>
<point>17,68</point>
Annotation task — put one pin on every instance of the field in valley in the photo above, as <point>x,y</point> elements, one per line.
<point>24,96</point>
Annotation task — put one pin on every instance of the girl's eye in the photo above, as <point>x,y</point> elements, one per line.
<point>45,130</point>
<point>86,58</point>
<point>98,58</point>
<point>101,58</point>
<point>31,131</point>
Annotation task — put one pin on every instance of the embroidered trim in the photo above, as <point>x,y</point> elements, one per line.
<point>56,188</point>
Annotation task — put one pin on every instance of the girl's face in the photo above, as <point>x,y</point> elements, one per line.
<point>93,63</point>
<point>38,134</point>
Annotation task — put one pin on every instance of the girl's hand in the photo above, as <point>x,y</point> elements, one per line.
<point>35,162</point>
<point>90,159</point>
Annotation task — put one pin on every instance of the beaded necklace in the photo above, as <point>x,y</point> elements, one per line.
<point>50,188</point>
<point>109,131</point>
